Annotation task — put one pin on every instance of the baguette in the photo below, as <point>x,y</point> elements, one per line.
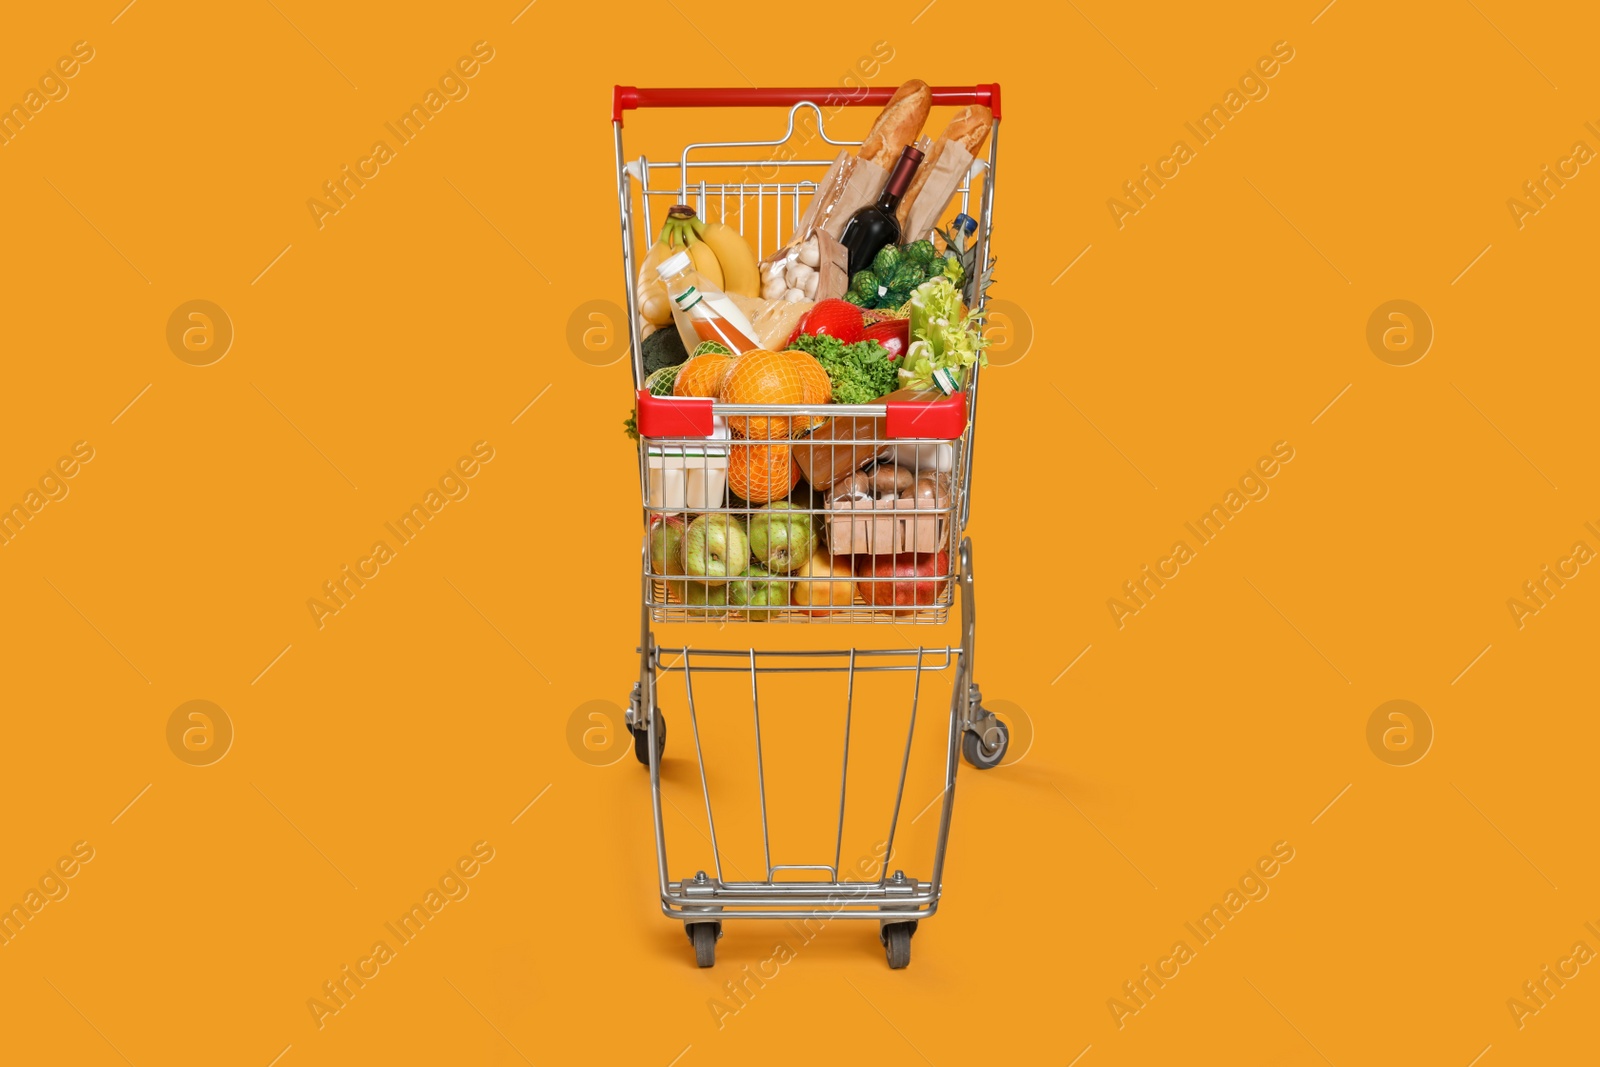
<point>898,124</point>
<point>969,129</point>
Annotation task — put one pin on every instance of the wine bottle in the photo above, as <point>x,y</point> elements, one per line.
<point>874,226</point>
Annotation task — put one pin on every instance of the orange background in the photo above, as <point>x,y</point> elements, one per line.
<point>369,755</point>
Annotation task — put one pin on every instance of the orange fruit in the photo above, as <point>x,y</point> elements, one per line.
<point>818,387</point>
<point>762,377</point>
<point>702,375</point>
<point>762,473</point>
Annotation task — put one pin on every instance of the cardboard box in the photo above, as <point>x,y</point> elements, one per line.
<point>880,526</point>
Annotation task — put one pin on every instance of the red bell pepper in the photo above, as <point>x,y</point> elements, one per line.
<point>892,334</point>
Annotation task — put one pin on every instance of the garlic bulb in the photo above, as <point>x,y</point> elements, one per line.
<point>811,252</point>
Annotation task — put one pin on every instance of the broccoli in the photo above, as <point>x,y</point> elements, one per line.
<point>664,348</point>
<point>860,372</point>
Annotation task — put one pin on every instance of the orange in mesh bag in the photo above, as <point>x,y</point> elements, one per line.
<point>761,473</point>
<point>763,377</point>
<point>703,375</point>
<point>818,387</point>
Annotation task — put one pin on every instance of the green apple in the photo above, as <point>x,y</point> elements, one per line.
<point>758,594</point>
<point>666,544</point>
<point>702,597</point>
<point>781,536</point>
<point>715,548</point>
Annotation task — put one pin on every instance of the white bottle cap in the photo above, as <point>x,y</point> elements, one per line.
<point>673,264</point>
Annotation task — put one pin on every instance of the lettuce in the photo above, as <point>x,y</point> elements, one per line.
<point>943,335</point>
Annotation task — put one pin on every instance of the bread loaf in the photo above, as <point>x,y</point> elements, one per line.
<point>969,129</point>
<point>897,124</point>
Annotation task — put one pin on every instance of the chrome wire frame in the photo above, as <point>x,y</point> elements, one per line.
<point>780,195</point>
<point>889,898</point>
<point>926,529</point>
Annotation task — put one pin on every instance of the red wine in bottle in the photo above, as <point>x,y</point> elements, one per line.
<point>874,226</point>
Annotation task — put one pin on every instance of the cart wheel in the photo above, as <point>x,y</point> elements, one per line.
<point>704,936</point>
<point>641,739</point>
<point>981,755</point>
<point>896,938</point>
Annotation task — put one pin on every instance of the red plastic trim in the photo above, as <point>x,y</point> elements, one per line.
<point>942,420</point>
<point>629,98</point>
<point>674,416</point>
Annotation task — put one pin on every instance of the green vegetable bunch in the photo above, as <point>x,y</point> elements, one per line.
<point>942,336</point>
<point>860,372</point>
<point>895,272</point>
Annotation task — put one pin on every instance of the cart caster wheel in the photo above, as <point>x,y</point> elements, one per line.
<point>641,739</point>
<point>704,936</point>
<point>896,938</point>
<point>986,756</point>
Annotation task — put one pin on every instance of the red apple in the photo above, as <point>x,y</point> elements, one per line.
<point>926,574</point>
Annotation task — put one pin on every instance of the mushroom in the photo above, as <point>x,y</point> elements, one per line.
<point>856,486</point>
<point>889,479</point>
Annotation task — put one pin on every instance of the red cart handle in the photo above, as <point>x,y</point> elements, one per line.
<point>627,97</point>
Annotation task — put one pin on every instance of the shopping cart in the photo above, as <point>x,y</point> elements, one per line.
<point>685,452</point>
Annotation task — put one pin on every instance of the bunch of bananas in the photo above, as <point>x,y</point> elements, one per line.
<point>721,255</point>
